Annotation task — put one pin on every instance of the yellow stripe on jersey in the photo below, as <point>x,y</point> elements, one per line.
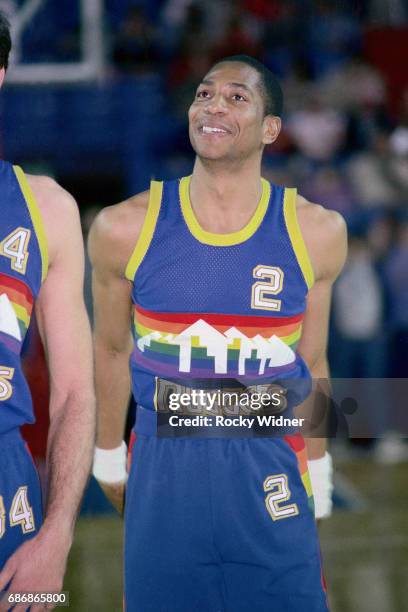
<point>22,314</point>
<point>146,234</point>
<point>296,238</point>
<point>35,218</point>
<point>307,484</point>
<point>222,239</point>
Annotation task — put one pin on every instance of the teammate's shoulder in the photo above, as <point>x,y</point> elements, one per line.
<point>115,230</point>
<point>51,198</point>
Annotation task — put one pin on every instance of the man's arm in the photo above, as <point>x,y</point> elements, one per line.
<point>39,564</point>
<point>112,239</point>
<point>313,349</point>
<point>325,236</point>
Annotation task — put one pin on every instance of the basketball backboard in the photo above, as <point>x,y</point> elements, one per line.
<point>55,42</point>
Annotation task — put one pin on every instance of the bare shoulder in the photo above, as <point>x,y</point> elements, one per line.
<point>59,213</point>
<point>115,231</point>
<point>325,234</point>
<point>52,199</point>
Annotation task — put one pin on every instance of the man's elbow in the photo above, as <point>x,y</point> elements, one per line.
<point>113,349</point>
<point>75,398</point>
<point>319,368</point>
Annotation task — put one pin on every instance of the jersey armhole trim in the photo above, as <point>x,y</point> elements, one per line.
<point>36,219</point>
<point>147,231</point>
<point>295,235</point>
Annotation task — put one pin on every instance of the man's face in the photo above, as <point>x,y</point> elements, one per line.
<point>226,118</point>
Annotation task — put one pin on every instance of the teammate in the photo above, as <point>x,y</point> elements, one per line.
<point>227,280</point>
<point>41,267</point>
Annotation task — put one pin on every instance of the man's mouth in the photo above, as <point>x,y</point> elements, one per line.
<point>209,129</point>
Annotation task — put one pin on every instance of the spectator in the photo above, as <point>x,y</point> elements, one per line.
<point>332,35</point>
<point>388,12</point>
<point>357,309</point>
<point>399,136</point>
<point>298,86</point>
<point>317,131</point>
<point>284,38</point>
<point>134,47</point>
<point>328,187</point>
<point>396,270</point>
<point>353,85</point>
<point>237,38</point>
<point>376,175</point>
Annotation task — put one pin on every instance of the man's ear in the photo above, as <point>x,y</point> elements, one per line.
<point>271,128</point>
<point>2,75</point>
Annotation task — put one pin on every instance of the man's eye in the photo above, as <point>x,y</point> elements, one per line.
<point>239,97</point>
<point>202,94</point>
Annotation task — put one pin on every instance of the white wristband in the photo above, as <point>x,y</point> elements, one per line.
<point>321,478</point>
<point>110,465</point>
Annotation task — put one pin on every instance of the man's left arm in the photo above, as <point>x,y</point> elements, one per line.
<point>39,564</point>
<point>325,236</point>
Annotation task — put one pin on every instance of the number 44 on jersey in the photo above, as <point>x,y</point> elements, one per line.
<point>15,247</point>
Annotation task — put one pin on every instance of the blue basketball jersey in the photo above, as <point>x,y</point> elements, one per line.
<point>217,522</point>
<point>23,267</point>
<point>226,309</point>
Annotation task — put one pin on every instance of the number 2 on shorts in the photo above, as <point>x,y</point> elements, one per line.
<point>278,493</point>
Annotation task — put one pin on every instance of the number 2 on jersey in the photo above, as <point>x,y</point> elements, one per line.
<point>271,283</point>
<point>14,246</point>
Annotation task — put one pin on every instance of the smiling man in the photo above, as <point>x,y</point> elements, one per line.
<point>227,281</point>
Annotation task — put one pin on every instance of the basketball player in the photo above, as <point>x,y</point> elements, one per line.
<point>223,275</point>
<point>41,267</point>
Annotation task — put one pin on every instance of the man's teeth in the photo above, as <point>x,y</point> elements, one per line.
<point>213,130</point>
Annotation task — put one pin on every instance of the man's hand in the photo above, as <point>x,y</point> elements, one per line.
<point>115,493</point>
<point>37,566</point>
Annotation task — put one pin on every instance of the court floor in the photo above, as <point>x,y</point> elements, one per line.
<point>365,552</point>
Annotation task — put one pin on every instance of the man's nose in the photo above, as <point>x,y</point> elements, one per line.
<point>216,105</point>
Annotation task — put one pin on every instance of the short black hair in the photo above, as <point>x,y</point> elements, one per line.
<point>5,41</point>
<point>270,88</point>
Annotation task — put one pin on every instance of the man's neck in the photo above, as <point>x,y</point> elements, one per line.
<point>224,199</point>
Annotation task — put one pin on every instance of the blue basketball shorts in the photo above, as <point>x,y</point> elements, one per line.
<point>20,495</point>
<point>220,525</point>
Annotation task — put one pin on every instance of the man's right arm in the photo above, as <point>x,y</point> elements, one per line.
<point>112,239</point>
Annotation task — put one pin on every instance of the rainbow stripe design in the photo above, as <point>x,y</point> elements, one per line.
<point>206,345</point>
<point>21,299</point>
<point>297,444</point>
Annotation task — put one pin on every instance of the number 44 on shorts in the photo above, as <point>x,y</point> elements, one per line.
<point>20,513</point>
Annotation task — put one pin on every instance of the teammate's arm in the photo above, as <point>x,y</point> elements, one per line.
<point>39,564</point>
<point>111,242</point>
<point>325,236</point>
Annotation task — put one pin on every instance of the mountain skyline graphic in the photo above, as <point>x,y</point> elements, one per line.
<point>271,352</point>
<point>8,318</point>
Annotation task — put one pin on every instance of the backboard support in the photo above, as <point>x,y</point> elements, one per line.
<point>91,64</point>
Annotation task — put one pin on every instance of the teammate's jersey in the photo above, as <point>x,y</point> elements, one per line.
<point>217,311</point>
<point>23,267</point>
